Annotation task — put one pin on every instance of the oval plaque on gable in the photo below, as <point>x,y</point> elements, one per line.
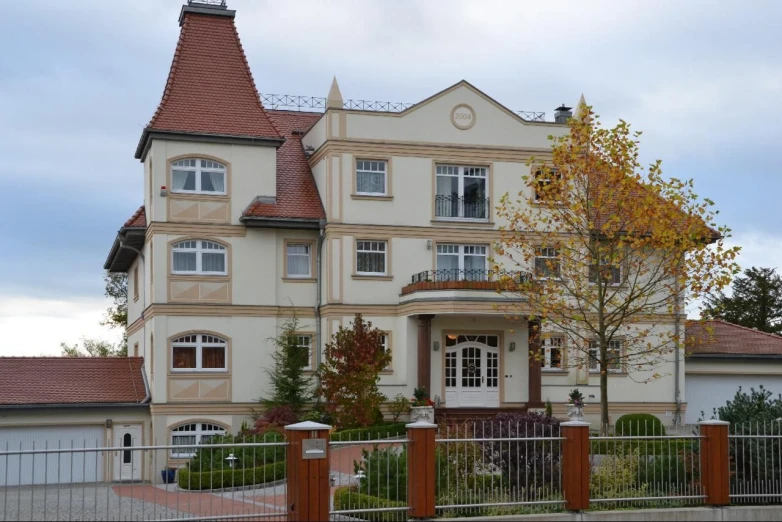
<point>462,116</point>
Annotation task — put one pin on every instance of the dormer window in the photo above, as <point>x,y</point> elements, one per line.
<point>197,176</point>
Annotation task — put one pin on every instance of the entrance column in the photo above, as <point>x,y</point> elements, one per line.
<point>535,381</point>
<point>425,352</point>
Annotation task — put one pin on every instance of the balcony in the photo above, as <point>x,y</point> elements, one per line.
<point>454,279</point>
<point>461,208</point>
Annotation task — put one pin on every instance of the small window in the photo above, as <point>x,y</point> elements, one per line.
<point>187,436</point>
<point>371,177</point>
<point>305,343</point>
<point>551,353</point>
<point>547,185</point>
<point>199,257</point>
<point>135,283</point>
<point>608,272</point>
<point>299,259</point>
<point>198,176</point>
<point>547,263</point>
<point>198,352</point>
<point>371,257</point>
<point>613,354</point>
<point>385,343</point>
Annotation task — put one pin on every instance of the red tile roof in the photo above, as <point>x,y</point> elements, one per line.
<point>71,380</point>
<point>210,88</point>
<point>723,338</point>
<point>297,194</point>
<point>137,220</point>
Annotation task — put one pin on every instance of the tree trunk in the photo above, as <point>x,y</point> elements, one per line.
<point>604,400</point>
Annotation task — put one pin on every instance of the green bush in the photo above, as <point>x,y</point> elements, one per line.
<point>380,431</point>
<point>639,424</point>
<point>669,474</point>
<point>652,448</point>
<point>617,477</point>
<point>385,473</point>
<point>350,498</point>
<point>213,459</point>
<point>231,478</point>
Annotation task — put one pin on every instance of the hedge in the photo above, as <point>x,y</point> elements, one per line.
<point>347,497</point>
<point>639,424</point>
<point>230,478</point>
<point>371,432</point>
<point>650,448</point>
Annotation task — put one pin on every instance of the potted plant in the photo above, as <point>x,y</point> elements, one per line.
<point>575,405</point>
<point>421,406</point>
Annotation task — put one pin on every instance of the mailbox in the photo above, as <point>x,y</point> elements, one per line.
<point>313,449</point>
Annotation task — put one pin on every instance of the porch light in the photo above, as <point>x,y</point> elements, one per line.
<point>512,346</point>
<point>451,337</point>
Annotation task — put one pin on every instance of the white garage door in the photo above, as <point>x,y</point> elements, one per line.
<point>706,392</point>
<point>51,468</point>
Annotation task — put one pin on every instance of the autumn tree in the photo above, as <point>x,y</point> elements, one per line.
<point>349,375</point>
<point>755,301</point>
<point>615,250</point>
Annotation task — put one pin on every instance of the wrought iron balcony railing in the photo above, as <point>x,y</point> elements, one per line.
<point>453,206</point>
<point>454,274</point>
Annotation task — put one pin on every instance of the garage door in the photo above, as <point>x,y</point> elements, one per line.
<point>51,468</point>
<point>706,392</point>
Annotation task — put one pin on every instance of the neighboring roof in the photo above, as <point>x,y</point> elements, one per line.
<point>297,194</point>
<point>210,89</point>
<point>716,337</point>
<point>38,381</point>
<point>137,220</point>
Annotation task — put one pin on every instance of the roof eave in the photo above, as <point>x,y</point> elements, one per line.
<point>280,222</point>
<point>149,134</point>
<point>74,405</point>
<point>124,233</point>
<point>746,356</point>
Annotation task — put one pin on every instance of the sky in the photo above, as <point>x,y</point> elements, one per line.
<point>79,80</point>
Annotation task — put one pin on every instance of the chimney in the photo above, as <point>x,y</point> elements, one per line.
<point>211,7</point>
<point>562,114</point>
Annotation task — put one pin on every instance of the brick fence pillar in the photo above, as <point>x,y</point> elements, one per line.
<point>421,468</point>
<point>715,459</point>
<point>575,465</point>
<point>307,466</point>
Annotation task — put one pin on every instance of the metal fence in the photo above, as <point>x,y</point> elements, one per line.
<point>498,467</point>
<point>369,477</point>
<point>755,462</point>
<point>642,465</point>
<point>82,481</point>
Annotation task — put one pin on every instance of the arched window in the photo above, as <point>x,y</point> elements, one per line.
<point>197,256</point>
<point>199,352</point>
<point>197,176</point>
<point>193,434</point>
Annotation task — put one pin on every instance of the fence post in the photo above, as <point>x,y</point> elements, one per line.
<point>715,462</point>
<point>421,469</point>
<point>307,466</point>
<point>575,465</point>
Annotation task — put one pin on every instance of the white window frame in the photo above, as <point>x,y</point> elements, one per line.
<point>543,253</point>
<point>198,169</point>
<point>384,163</point>
<point>202,429</point>
<point>444,170</point>
<point>199,344</point>
<point>200,249</point>
<point>614,345</point>
<point>288,255</point>
<point>386,345</point>
<point>547,344</point>
<point>597,268</point>
<point>300,343</point>
<point>360,249</point>
<point>541,180</point>
<point>461,253</point>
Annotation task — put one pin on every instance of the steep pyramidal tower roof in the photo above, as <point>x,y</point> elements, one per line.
<point>210,89</point>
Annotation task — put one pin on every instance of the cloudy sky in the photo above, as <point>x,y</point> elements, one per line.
<point>79,80</point>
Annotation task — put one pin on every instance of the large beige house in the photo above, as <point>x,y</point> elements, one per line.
<point>252,214</point>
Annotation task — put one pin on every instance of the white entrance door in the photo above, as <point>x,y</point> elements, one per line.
<point>127,463</point>
<point>472,376</point>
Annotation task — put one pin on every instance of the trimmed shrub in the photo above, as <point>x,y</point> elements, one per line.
<point>230,478</point>
<point>381,431</point>
<point>639,425</point>
<point>213,459</point>
<point>349,498</point>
